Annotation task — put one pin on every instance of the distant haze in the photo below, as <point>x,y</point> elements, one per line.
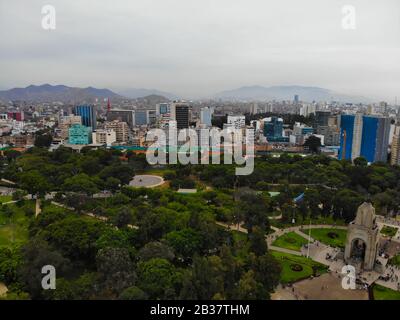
<point>195,48</point>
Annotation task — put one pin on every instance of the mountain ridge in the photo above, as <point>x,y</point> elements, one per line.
<point>63,93</point>
<point>287,92</point>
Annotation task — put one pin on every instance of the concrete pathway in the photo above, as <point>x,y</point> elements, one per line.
<point>90,214</point>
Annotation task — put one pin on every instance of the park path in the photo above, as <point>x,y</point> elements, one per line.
<point>270,238</point>
<point>90,214</point>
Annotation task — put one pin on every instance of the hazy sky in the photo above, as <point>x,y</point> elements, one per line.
<point>196,48</point>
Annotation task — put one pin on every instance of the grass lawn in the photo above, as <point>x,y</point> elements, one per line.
<point>389,231</point>
<point>239,236</point>
<point>382,293</point>
<point>5,199</point>
<point>14,230</point>
<point>290,240</point>
<point>305,222</point>
<point>395,260</point>
<point>331,236</point>
<point>306,267</point>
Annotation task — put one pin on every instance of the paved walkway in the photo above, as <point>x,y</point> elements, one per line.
<point>90,214</point>
<point>270,238</point>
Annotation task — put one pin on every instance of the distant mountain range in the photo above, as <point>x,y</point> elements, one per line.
<point>62,93</point>
<point>307,94</point>
<point>48,93</point>
<point>134,93</point>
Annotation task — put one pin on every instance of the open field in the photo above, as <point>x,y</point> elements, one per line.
<point>14,229</point>
<point>332,237</point>
<point>291,241</point>
<point>295,268</point>
<point>389,231</point>
<point>382,293</point>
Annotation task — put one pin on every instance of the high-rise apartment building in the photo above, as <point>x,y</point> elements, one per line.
<point>322,118</point>
<point>66,122</point>
<point>366,136</point>
<point>205,116</point>
<point>307,109</point>
<point>273,130</point>
<point>180,114</point>
<point>80,134</point>
<point>88,115</point>
<point>104,136</point>
<point>237,122</point>
<point>395,157</point>
<point>121,129</point>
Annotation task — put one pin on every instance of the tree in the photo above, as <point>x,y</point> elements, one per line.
<point>12,154</point>
<point>76,201</point>
<point>123,217</point>
<point>255,209</point>
<point>83,288</point>
<point>43,140</point>
<point>115,238</point>
<point>157,277</point>
<point>80,183</point>
<point>249,288</point>
<point>133,293</point>
<point>360,162</point>
<point>313,144</point>
<point>34,183</point>
<point>206,279</point>
<point>75,237</point>
<point>267,271</point>
<point>156,250</point>
<point>258,245</point>
<point>112,184</point>
<point>37,254</point>
<point>185,242</point>
<point>116,269</point>
<point>10,261</point>
<point>346,203</point>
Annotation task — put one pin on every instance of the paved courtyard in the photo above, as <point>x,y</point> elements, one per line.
<point>326,287</point>
<point>146,181</point>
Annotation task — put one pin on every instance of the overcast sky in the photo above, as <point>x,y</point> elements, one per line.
<point>196,48</point>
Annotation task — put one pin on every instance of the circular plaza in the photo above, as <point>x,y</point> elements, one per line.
<point>146,181</point>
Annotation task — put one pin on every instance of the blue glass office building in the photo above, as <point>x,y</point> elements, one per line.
<point>273,130</point>
<point>375,138</point>
<point>346,136</point>
<point>88,115</point>
<point>372,143</point>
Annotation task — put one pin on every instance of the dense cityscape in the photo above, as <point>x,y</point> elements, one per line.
<point>79,192</point>
<point>199,158</point>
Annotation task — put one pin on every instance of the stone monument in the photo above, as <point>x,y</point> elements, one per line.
<point>362,239</point>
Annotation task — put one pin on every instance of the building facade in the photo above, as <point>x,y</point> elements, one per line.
<point>205,116</point>
<point>88,115</point>
<point>66,122</point>
<point>80,134</point>
<point>366,136</point>
<point>121,129</point>
<point>127,116</point>
<point>104,137</point>
<point>180,114</point>
<point>273,130</point>
<point>395,154</point>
